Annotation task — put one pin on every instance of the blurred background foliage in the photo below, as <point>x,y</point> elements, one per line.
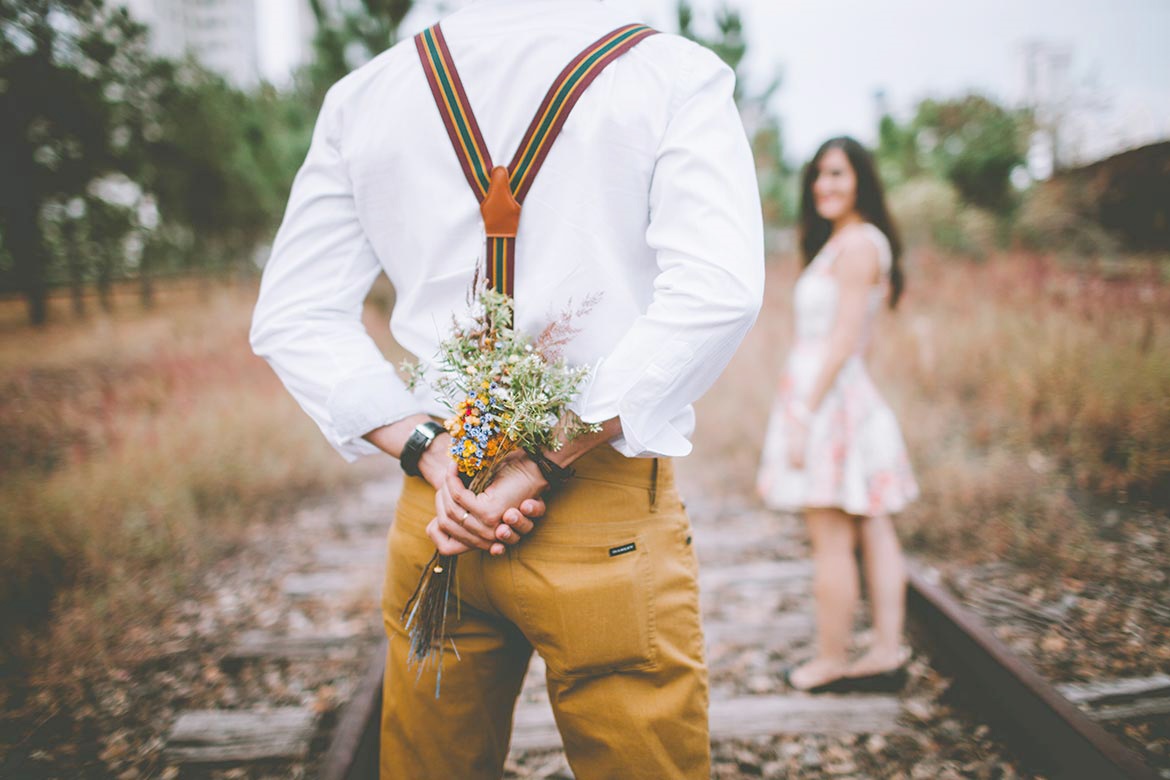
<point>116,164</point>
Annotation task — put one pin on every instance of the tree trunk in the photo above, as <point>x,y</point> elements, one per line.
<point>29,260</point>
<point>105,279</point>
<point>145,279</point>
<point>73,262</point>
<point>35,297</point>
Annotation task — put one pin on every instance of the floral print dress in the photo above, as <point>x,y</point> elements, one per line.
<point>856,458</point>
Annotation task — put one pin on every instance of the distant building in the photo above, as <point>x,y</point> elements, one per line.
<point>220,34</point>
<point>289,35</point>
<point>1128,194</point>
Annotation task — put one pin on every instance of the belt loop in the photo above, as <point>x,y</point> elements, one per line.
<point>654,486</point>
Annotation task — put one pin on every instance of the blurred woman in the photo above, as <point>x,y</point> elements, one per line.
<point>833,449</point>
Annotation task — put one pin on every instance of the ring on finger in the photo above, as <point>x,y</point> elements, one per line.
<point>466,514</point>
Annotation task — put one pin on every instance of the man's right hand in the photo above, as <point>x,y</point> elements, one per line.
<point>464,521</point>
<point>499,517</point>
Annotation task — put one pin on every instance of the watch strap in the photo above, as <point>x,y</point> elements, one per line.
<point>555,475</point>
<point>420,439</point>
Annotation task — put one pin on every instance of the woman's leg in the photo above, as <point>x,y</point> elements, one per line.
<point>835,589</point>
<point>885,576</point>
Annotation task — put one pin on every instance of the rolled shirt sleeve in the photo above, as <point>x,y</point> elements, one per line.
<point>706,229</point>
<point>307,320</point>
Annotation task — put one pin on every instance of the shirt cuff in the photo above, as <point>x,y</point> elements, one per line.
<point>669,441</point>
<point>646,433</point>
<point>364,402</point>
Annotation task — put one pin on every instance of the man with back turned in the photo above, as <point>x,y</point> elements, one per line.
<point>638,190</point>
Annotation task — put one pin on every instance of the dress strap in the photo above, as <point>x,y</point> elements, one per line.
<point>826,258</point>
<point>879,239</point>
<point>499,190</point>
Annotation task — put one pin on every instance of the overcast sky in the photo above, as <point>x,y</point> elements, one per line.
<point>835,54</point>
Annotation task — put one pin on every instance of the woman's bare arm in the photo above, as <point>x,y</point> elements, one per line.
<point>856,269</point>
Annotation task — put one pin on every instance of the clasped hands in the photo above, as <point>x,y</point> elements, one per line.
<point>498,517</point>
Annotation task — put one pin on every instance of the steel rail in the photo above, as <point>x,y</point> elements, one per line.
<point>353,749</point>
<point>1045,725</point>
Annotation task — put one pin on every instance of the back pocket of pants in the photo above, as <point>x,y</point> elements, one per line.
<point>588,609</point>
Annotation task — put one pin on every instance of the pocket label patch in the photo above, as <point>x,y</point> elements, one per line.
<point>621,549</point>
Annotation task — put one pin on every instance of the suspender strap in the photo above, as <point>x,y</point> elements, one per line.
<point>562,96</point>
<point>455,109</point>
<point>500,190</point>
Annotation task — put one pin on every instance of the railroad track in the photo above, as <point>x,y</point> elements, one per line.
<point>1042,721</point>
<point>757,615</point>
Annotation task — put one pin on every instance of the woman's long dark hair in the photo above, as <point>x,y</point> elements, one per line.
<point>871,205</point>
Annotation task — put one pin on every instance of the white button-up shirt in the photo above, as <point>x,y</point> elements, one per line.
<point>648,199</point>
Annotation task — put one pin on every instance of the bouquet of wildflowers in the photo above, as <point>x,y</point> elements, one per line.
<point>506,392</point>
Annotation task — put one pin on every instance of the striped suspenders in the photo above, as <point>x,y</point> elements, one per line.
<point>499,190</point>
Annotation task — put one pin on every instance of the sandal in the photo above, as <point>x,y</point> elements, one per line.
<point>889,681</point>
<point>835,685</point>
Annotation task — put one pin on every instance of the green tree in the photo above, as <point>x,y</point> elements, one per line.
<point>82,103</point>
<point>729,44</point>
<point>350,39</point>
<point>211,168</point>
<point>78,96</point>
<point>977,144</point>
<point>897,152</point>
<point>972,142</point>
<point>54,116</point>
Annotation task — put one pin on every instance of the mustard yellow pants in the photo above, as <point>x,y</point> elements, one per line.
<point>605,589</point>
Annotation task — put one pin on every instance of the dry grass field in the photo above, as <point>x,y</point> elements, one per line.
<point>140,447</point>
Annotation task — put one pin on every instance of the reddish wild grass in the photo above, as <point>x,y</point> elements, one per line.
<point>138,448</point>
<point>1030,395</point>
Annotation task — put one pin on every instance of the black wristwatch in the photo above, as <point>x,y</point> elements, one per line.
<point>555,475</point>
<point>421,438</point>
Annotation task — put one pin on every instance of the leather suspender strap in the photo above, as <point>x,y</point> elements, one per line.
<point>500,190</point>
